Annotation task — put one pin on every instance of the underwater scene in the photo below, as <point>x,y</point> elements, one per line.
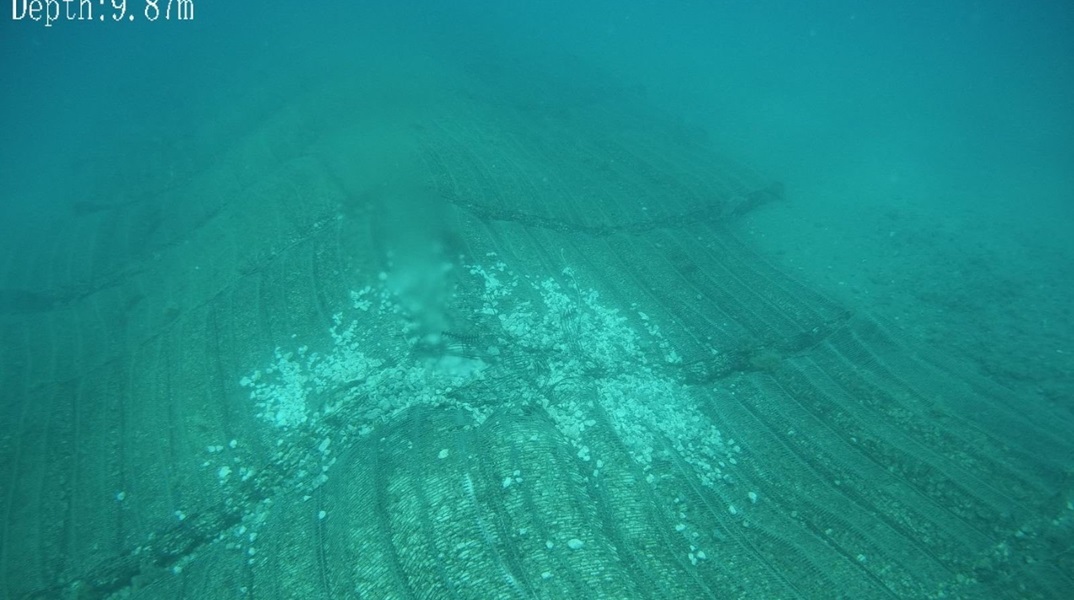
<point>493,299</point>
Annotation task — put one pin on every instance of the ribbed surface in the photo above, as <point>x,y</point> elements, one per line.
<point>727,433</point>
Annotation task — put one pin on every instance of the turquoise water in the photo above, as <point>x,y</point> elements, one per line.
<point>762,252</point>
<point>958,112</point>
<point>921,145</point>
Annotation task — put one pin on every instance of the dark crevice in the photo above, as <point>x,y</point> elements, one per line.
<point>710,213</point>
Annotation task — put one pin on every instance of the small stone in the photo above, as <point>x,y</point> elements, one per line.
<point>575,544</point>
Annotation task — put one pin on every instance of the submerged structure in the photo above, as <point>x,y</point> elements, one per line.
<point>511,345</point>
